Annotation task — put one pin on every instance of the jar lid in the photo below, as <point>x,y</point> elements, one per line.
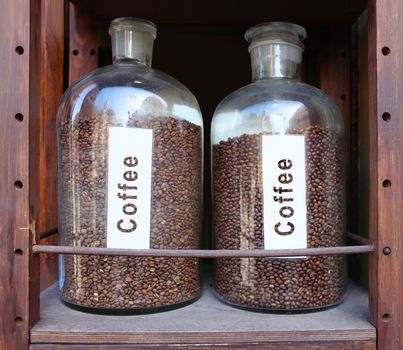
<point>133,24</point>
<point>275,32</point>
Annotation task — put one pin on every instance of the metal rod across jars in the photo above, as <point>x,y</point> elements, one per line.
<point>199,253</point>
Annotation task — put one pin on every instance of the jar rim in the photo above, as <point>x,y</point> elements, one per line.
<point>288,32</point>
<point>134,24</point>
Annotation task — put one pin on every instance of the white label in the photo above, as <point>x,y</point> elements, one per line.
<point>284,192</point>
<point>129,187</point>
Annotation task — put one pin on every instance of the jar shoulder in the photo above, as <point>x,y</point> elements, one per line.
<point>271,91</point>
<point>274,106</point>
<point>130,90</point>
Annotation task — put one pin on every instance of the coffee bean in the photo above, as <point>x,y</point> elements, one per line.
<point>275,283</point>
<point>129,282</point>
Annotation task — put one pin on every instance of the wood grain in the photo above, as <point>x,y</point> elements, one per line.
<point>334,65</point>
<point>364,171</point>
<point>230,12</point>
<point>34,109</point>
<point>359,143</point>
<point>386,96</point>
<point>46,88</point>
<point>49,265</point>
<point>14,208</point>
<point>83,42</point>
<point>333,345</point>
<point>364,141</point>
<point>373,158</point>
<point>207,321</point>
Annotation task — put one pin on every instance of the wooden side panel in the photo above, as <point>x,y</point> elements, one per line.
<point>334,66</point>
<point>363,154</point>
<point>34,110</point>
<point>50,88</point>
<point>386,96</point>
<point>47,61</point>
<point>359,144</point>
<point>14,183</point>
<point>335,70</point>
<point>82,45</point>
<point>347,345</point>
<point>373,159</point>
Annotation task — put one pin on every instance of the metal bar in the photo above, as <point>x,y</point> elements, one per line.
<point>48,233</point>
<point>197,253</point>
<point>358,239</point>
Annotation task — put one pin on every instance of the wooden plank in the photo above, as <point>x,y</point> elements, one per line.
<point>48,265</point>
<point>386,126</point>
<point>34,109</point>
<point>334,65</point>
<point>207,321</point>
<point>373,158</point>
<point>200,253</point>
<point>14,183</point>
<point>82,43</point>
<point>53,75</point>
<point>46,91</point>
<point>230,12</point>
<point>364,144</point>
<point>46,88</point>
<point>359,144</point>
<point>345,345</point>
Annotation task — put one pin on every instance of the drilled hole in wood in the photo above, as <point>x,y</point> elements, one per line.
<point>93,52</point>
<point>386,183</point>
<point>19,50</point>
<point>386,318</point>
<point>343,97</point>
<point>18,321</point>
<point>386,117</point>
<point>19,117</point>
<point>18,184</point>
<point>75,52</point>
<point>385,51</point>
<point>18,252</point>
<point>387,251</point>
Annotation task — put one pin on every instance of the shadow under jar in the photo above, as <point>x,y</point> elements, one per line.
<point>278,181</point>
<point>129,176</point>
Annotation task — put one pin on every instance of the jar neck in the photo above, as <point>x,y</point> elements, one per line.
<point>275,60</point>
<point>131,46</point>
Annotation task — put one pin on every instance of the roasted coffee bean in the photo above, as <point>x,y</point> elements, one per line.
<point>129,282</point>
<point>278,283</point>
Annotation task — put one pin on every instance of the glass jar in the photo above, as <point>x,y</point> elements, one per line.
<point>129,176</point>
<point>278,181</point>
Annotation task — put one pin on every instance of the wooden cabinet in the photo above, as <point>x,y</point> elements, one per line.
<point>353,52</point>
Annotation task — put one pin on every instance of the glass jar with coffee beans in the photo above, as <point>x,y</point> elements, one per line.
<point>129,176</point>
<point>277,167</point>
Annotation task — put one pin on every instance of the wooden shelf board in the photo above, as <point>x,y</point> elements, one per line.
<point>207,321</point>
<point>228,11</point>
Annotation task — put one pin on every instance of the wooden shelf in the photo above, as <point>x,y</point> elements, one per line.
<point>228,12</point>
<point>207,321</point>
<point>200,43</point>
